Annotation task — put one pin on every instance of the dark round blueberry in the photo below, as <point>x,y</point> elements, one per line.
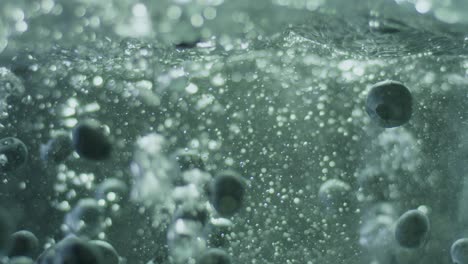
<point>227,193</point>
<point>389,104</point>
<point>23,243</point>
<point>459,251</point>
<point>187,44</point>
<point>21,260</point>
<point>57,149</point>
<point>214,256</point>
<point>13,154</point>
<point>76,251</point>
<point>107,252</point>
<point>90,142</point>
<point>412,229</point>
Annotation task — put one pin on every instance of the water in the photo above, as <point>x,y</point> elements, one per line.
<point>271,90</point>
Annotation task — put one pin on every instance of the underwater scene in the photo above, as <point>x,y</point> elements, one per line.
<point>233,131</point>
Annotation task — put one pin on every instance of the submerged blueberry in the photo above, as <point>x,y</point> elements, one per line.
<point>412,229</point>
<point>13,154</point>
<point>77,251</point>
<point>227,193</point>
<point>90,142</point>
<point>459,251</point>
<point>190,44</point>
<point>23,243</point>
<point>389,104</point>
<point>107,251</point>
<point>214,256</point>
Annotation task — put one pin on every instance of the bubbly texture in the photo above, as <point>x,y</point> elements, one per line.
<point>218,131</point>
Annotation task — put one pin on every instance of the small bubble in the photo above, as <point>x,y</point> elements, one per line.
<point>196,20</point>
<point>21,26</point>
<point>191,88</point>
<point>97,81</point>
<point>423,6</point>
<point>174,12</point>
<point>209,13</point>
<point>139,10</point>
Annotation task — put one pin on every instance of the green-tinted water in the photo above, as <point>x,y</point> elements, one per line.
<point>234,125</point>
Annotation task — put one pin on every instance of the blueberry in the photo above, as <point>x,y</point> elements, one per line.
<point>13,154</point>
<point>57,148</point>
<point>412,229</point>
<point>107,252</point>
<point>187,44</point>
<point>389,104</point>
<point>21,260</point>
<point>77,251</point>
<point>459,251</point>
<point>90,142</point>
<point>227,193</point>
<point>214,256</point>
<point>23,243</point>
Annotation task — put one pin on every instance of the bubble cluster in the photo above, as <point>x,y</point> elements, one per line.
<point>10,86</point>
<point>210,131</point>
